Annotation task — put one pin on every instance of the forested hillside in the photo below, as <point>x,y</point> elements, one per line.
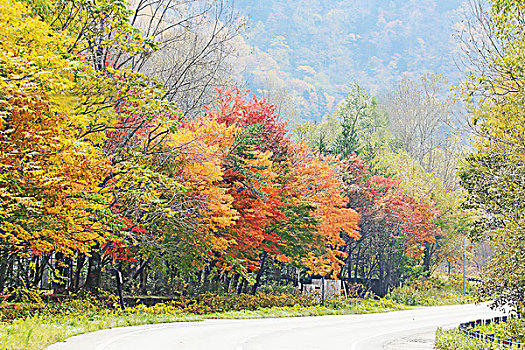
<point>311,51</point>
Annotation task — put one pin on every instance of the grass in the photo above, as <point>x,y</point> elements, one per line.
<point>350,308</point>
<point>36,325</point>
<point>454,340</point>
<point>434,291</point>
<point>41,330</point>
<point>514,328</point>
<point>38,332</point>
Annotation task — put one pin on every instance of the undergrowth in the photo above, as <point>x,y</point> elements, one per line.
<point>433,291</point>
<point>54,322</point>
<point>454,340</point>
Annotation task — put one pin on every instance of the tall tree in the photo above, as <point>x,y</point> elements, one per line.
<point>361,121</point>
<point>493,174</point>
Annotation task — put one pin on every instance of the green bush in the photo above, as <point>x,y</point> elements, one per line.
<point>88,304</point>
<point>439,290</point>
<point>212,303</point>
<point>513,328</point>
<point>85,304</point>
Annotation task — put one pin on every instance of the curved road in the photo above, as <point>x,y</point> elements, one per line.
<point>400,330</point>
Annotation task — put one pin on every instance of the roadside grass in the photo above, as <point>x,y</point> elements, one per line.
<point>513,328</point>
<point>454,340</point>
<point>40,330</point>
<point>35,325</point>
<point>350,307</point>
<point>434,291</point>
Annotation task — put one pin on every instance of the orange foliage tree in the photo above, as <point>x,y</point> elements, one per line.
<point>394,226</point>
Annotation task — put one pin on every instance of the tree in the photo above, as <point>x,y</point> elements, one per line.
<point>51,198</point>
<point>453,220</point>
<point>186,45</point>
<point>420,114</point>
<point>394,227</point>
<point>318,183</point>
<point>492,174</point>
<point>361,121</point>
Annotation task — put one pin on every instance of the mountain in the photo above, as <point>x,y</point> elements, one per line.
<point>305,54</point>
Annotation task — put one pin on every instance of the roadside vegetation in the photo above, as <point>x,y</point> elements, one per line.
<point>513,328</point>
<point>36,319</point>
<point>434,291</point>
<point>493,172</point>
<point>35,324</point>
<point>454,340</point>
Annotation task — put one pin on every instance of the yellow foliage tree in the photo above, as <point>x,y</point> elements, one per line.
<point>48,192</point>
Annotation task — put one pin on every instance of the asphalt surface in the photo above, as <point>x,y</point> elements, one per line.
<point>400,330</point>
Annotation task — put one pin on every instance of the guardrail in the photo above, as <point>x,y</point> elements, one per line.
<point>467,330</point>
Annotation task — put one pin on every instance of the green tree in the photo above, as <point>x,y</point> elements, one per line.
<point>361,122</point>
<point>494,173</point>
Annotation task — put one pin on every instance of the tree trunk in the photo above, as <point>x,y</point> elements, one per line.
<point>59,287</point>
<point>259,274</point>
<point>356,267</point>
<point>9,272</point>
<point>39,270</point>
<point>235,282</point>
<point>240,285</point>
<point>226,285</point>
<point>76,279</point>
<point>143,289</point>
<point>4,261</point>
<point>118,278</point>
<point>427,258</point>
<point>137,273</point>
<point>94,269</point>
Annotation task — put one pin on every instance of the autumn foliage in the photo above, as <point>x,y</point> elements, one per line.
<point>97,167</point>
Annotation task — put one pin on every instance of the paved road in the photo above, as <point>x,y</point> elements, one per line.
<point>400,330</point>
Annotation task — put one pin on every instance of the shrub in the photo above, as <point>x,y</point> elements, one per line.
<point>211,303</point>
<point>514,328</point>
<point>454,340</point>
<point>440,290</point>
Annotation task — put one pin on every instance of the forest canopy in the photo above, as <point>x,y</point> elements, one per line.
<point>127,150</point>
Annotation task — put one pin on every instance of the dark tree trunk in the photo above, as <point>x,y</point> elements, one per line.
<point>259,273</point>
<point>94,270</point>
<point>4,262</point>
<point>235,282</point>
<point>240,285</point>
<point>226,285</point>
<point>349,262</point>
<point>137,273</point>
<point>204,279</point>
<point>143,288</point>
<point>427,258</point>
<point>9,272</point>
<point>118,278</point>
<point>356,267</point>
<point>245,285</point>
<point>75,285</point>
<point>59,286</point>
<point>39,269</point>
